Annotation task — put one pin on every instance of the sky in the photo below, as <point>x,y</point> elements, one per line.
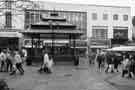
<point>119,2</point>
<point>100,2</point>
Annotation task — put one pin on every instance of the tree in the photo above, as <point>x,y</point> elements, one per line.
<point>4,85</point>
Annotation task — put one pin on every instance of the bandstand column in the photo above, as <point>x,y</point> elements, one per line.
<point>75,58</point>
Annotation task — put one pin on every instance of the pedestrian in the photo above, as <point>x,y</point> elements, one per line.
<point>9,61</point>
<point>108,62</point>
<point>18,64</point>
<point>13,61</point>
<point>125,65</point>
<point>111,65</point>
<point>49,65</point>
<point>116,63</point>
<point>92,56</point>
<point>99,61</point>
<point>131,67</point>
<point>3,61</point>
<point>24,54</point>
<point>44,63</point>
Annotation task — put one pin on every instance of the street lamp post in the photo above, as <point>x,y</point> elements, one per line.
<point>53,41</point>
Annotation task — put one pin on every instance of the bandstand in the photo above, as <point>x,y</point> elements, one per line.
<point>57,36</point>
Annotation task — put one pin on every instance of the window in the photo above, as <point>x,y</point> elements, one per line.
<point>32,18</point>
<point>105,16</point>
<point>8,20</point>
<point>94,16</point>
<point>125,17</point>
<point>99,32</point>
<point>115,17</point>
<point>27,20</point>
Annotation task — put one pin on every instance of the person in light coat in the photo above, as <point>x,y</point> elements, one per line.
<point>18,63</point>
<point>47,64</point>
<point>3,61</point>
<point>24,56</point>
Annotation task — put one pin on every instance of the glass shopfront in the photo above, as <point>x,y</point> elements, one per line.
<point>11,43</point>
<point>61,47</point>
<point>120,35</point>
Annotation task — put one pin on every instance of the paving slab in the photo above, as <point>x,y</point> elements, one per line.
<point>63,78</point>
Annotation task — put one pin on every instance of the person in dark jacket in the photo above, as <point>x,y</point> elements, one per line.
<point>109,61</point>
<point>116,62</point>
<point>9,61</point>
<point>131,67</point>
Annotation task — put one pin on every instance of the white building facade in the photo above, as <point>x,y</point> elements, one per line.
<point>104,16</point>
<point>104,23</point>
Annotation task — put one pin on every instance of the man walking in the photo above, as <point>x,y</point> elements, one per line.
<point>9,61</point>
<point>18,64</point>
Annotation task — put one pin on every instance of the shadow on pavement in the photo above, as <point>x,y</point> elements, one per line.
<point>122,87</point>
<point>118,86</point>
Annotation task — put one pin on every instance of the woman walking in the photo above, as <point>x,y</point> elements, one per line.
<point>47,64</point>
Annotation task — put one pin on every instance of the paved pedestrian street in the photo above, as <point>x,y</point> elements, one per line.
<point>64,77</point>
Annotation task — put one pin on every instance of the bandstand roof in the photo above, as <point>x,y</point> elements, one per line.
<point>53,23</point>
<point>46,18</point>
<point>59,34</point>
<point>37,31</point>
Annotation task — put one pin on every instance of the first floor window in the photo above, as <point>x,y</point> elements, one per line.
<point>94,16</point>
<point>99,32</point>
<point>115,17</point>
<point>125,17</point>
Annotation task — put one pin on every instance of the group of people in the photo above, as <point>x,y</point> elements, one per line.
<point>128,66</point>
<point>11,61</point>
<point>110,61</point>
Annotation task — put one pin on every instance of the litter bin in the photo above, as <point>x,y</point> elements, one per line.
<point>29,61</point>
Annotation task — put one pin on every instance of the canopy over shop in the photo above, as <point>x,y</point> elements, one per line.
<point>10,39</point>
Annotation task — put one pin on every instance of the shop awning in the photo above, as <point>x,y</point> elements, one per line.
<point>11,34</point>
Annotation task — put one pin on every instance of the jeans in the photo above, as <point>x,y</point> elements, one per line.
<point>19,67</point>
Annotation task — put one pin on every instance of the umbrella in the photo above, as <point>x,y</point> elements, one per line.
<point>122,48</point>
